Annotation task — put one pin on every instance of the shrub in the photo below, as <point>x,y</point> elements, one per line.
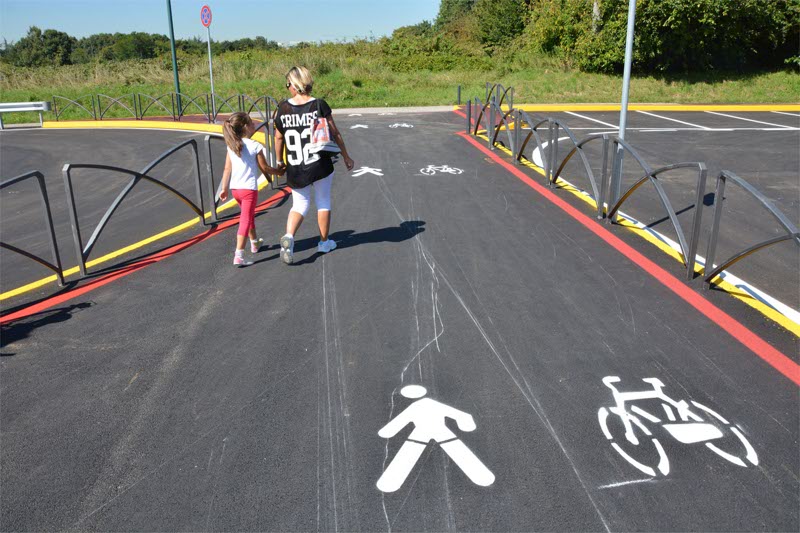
<point>499,21</point>
<point>671,35</point>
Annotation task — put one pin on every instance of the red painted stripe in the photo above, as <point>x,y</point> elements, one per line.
<point>134,267</point>
<point>756,344</point>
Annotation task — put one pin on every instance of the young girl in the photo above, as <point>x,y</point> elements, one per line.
<point>242,164</point>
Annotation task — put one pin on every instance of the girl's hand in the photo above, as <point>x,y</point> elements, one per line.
<point>349,163</point>
<point>223,195</point>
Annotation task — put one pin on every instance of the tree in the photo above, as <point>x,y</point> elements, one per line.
<point>37,48</point>
<point>500,21</point>
<point>450,10</point>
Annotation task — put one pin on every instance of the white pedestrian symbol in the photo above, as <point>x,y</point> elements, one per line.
<point>428,417</point>
<point>367,170</point>
<point>401,125</point>
<point>685,425</point>
<point>355,126</point>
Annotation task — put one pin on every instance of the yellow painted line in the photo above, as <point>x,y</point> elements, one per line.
<point>132,124</point>
<point>731,289</point>
<point>144,242</point>
<point>659,107</point>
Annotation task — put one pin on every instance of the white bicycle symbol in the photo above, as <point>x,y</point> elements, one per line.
<point>684,424</point>
<point>401,125</point>
<point>430,170</point>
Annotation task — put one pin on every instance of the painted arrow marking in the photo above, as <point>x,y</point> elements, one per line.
<point>359,126</point>
<point>367,170</point>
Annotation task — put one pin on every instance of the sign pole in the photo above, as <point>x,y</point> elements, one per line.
<point>205,20</point>
<point>211,74</point>
<point>174,55</point>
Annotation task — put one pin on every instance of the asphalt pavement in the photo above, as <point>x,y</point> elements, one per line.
<point>450,366</point>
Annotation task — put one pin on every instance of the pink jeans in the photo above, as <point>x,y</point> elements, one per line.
<point>247,200</point>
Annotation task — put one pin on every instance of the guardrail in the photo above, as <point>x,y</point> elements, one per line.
<point>55,266</point>
<point>489,118</point>
<point>171,105</point>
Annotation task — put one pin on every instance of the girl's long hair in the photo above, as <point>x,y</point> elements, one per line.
<point>234,129</point>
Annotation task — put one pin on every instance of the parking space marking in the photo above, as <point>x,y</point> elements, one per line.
<point>593,120</point>
<point>784,113</point>
<point>749,120</point>
<point>674,120</point>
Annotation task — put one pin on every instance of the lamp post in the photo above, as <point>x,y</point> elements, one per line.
<point>616,179</point>
<point>174,55</point>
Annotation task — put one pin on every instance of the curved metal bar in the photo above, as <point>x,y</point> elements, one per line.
<point>137,176</point>
<point>533,133</point>
<point>193,101</point>
<point>56,266</point>
<point>157,101</point>
<point>766,202</point>
<point>36,258</point>
<point>719,195</point>
<point>628,148</point>
<point>115,101</point>
<point>226,102</point>
<point>753,249</point>
<point>254,105</point>
<point>92,113</point>
<point>578,147</point>
<point>480,116</point>
<point>652,177</point>
<point>504,122</point>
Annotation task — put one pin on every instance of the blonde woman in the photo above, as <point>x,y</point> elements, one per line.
<point>305,171</point>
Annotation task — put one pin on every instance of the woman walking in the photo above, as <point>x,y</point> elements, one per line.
<point>305,171</point>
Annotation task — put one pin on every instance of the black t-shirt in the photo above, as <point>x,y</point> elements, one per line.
<point>295,122</point>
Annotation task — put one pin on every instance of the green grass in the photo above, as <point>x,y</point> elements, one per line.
<point>356,75</point>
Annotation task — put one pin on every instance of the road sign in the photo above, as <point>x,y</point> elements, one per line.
<point>205,16</point>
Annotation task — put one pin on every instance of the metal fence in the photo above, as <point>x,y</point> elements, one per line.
<point>175,106</point>
<point>490,119</point>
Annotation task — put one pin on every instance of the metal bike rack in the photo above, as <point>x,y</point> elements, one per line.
<point>82,251</point>
<point>220,104</point>
<point>77,103</point>
<point>55,266</point>
<point>688,246</point>
<point>791,231</point>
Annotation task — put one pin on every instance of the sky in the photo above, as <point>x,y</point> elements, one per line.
<point>282,21</point>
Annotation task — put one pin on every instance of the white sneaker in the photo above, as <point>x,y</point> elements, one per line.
<point>287,249</point>
<point>324,247</point>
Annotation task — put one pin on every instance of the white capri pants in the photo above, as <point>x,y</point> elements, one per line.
<point>301,198</point>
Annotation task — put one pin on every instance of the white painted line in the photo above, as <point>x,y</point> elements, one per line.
<point>659,130</point>
<point>674,120</point>
<point>593,120</point>
<point>623,483</point>
<point>749,120</point>
<point>785,113</point>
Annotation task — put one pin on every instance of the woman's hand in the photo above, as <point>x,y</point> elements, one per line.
<point>349,163</point>
<point>223,195</point>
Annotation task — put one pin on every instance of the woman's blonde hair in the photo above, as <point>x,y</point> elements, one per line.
<point>301,80</point>
<point>234,129</point>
